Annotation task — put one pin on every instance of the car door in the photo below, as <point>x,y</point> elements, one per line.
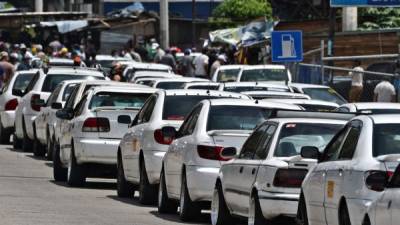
<point>45,111</point>
<point>315,188</point>
<point>173,159</point>
<point>241,173</point>
<point>393,204</point>
<point>339,176</point>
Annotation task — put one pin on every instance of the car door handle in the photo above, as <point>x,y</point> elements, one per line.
<point>341,172</point>
<point>241,170</point>
<point>253,171</point>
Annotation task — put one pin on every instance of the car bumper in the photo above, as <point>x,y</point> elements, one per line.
<point>153,162</point>
<point>201,182</point>
<point>7,119</point>
<point>101,151</point>
<point>278,204</point>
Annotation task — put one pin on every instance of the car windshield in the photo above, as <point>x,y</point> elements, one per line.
<point>67,91</point>
<point>170,85</point>
<point>264,75</point>
<point>380,111</point>
<point>51,81</point>
<point>22,81</point>
<point>236,117</point>
<point>324,94</point>
<point>267,96</point>
<point>386,139</point>
<point>203,87</point>
<point>119,100</point>
<point>228,75</point>
<point>294,136</point>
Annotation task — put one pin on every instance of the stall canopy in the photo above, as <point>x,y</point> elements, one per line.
<point>66,26</point>
<point>6,7</point>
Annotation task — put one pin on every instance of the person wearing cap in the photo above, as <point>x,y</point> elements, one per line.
<point>63,53</point>
<point>7,67</point>
<point>221,60</point>
<point>187,67</point>
<point>77,61</point>
<point>26,63</point>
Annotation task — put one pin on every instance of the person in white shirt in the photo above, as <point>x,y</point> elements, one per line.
<point>201,65</point>
<point>356,83</point>
<point>385,92</point>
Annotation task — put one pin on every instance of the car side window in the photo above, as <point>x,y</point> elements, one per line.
<point>53,96</point>
<point>250,146</point>
<point>80,106</point>
<point>71,99</point>
<point>263,147</point>
<point>332,151</point>
<point>350,143</point>
<point>190,124</point>
<point>395,180</point>
<point>144,114</point>
<point>32,83</point>
<point>343,109</point>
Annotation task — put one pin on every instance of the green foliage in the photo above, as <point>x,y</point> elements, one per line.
<point>379,18</point>
<point>242,10</point>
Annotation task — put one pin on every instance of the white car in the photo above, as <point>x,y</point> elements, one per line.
<point>153,74</point>
<point>55,62</point>
<point>270,73</point>
<point>385,209</point>
<point>275,95</point>
<point>105,62</point>
<point>227,73</point>
<point>99,121</point>
<point>337,190</point>
<point>174,83</point>
<point>253,86</point>
<point>309,105</point>
<point>131,69</point>
<point>46,119</point>
<point>37,93</point>
<point>201,86</point>
<point>264,181</point>
<point>143,147</point>
<point>370,107</point>
<point>9,99</point>
<point>192,162</point>
<point>319,92</point>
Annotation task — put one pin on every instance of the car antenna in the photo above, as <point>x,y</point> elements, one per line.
<point>256,101</point>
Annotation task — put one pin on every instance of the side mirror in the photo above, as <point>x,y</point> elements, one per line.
<point>228,153</point>
<point>124,119</point>
<point>17,92</point>
<point>377,180</point>
<point>65,114</point>
<point>169,133</point>
<point>310,152</point>
<point>56,105</point>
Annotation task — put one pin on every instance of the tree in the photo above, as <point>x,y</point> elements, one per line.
<point>241,10</point>
<point>379,18</point>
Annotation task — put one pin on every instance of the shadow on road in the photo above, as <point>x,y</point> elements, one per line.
<point>49,164</point>
<point>203,219</point>
<point>90,185</point>
<point>37,157</point>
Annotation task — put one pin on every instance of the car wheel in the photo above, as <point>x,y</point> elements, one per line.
<point>38,148</point>
<point>16,142</point>
<point>255,214</point>
<point>59,172</point>
<point>26,142</point>
<point>124,188</point>
<point>4,135</point>
<point>188,210</point>
<point>220,214</point>
<point>165,204</point>
<point>76,173</point>
<point>147,192</point>
<point>344,218</point>
<point>302,217</point>
<point>49,148</point>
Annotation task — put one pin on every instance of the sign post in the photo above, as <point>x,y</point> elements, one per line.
<point>287,46</point>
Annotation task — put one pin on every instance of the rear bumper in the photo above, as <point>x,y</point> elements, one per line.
<point>101,151</point>
<point>7,119</point>
<point>153,162</point>
<point>278,204</point>
<point>201,182</point>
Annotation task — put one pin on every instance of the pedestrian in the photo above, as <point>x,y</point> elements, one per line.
<point>187,67</point>
<point>201,64</point>
<point>385,92</point>
<point>7,67</point>
<point>357,85</point>
<point>221,60</point>
<point>77,61</point>
<point>169,60</point>
<point>26,63</point>
<point>135,56</point>
<point>159,54</point>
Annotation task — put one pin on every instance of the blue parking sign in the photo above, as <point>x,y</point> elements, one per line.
<point>287,46</point>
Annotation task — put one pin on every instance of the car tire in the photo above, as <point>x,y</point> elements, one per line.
<point>220,214</point>
<point>4,135</point>
<point>189,210</point>
<point>147,192</point>
<point>76,173</point>
<point>17,143</point>
<point>49,148</point>
<point>38,148</point>
<point>59,173</point>
<point>124,188</point>
<point>255,214</point>
<point>344,217</point>
<point>26,142</point>
<point>302,217</point>
<point>165,204</point>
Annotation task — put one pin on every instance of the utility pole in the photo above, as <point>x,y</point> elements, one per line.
<point>38,5</point>
<point>350,18</point>
<point>193,23</point>
<point>164,24</point>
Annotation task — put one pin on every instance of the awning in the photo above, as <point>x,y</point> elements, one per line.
<point>66,26</point>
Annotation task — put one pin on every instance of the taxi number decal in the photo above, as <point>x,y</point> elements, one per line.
<point>330,189</point>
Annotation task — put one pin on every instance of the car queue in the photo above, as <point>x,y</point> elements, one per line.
<point>254,146</point>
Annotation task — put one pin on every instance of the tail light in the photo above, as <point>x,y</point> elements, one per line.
<point>161,139</point>
<point>11,105</point>
<point>289,178</point>
<point>211,152</point>
<point>377,180</point>
<point>35,99</point>
<point>96,124</point>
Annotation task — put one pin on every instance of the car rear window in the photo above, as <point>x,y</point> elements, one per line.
<point>203,87</point>
<point>380,111</point>
<point>236,117</point>
<point>120,100</point>
<point>22,81</point>
<point>170,85</point>
<point>386,139</point>
<point>324,94</point>
<point>51,81</point>
<point>318,108</point>
<point>228,75</point>
<point>264,75</point>
<point>294,136</point>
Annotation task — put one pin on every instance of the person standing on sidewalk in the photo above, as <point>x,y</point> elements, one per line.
<point>385,92</point>
<point>201,64</point>
<point>357,85</point>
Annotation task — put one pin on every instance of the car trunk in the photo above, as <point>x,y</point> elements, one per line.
<point>390,161</point>
<point>117,129</point>
<point>230,138</point>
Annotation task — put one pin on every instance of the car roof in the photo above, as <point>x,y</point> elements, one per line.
<point>31,71</point>
<point>178,79</point>
<point>255,84</point>
<point>230,67</point>
<point>140,65</point>
<point>307,120</point>
<point>109,82</point>
<point>124,89</point>
<point>373,105</point>
<point>66,82</point>
<point>194,92</point>
<point>383,118</point>
<point>110,57</point>
<point>304,102</point>
<point>280,93</point>
<point>154,73</point>
<point>202,83</point>
<point>302,85</point>
<point>270,66</point>
<point>60,60</point>
<point>74,71</point>
<point>246,102</point>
